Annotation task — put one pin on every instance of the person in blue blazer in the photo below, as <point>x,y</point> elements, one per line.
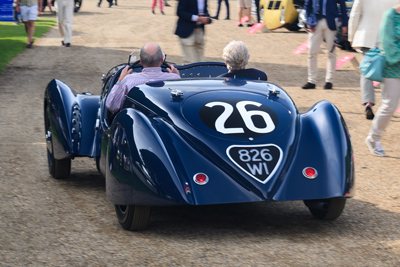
<point>321,21</point>
<point>193,15</point>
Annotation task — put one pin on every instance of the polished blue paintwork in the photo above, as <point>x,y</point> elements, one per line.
<point>60,101</point>
<point>150,151</point>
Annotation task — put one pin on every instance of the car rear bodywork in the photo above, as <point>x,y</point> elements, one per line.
<point>157,147</point>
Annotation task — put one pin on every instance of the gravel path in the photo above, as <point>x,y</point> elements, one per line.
<point>46,222</point>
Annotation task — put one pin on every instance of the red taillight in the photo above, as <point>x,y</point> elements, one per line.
<point>310,173</point>
<point>200,178</point>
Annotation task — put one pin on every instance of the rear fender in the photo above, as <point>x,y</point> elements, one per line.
<point>324,144</point>
<point>72,120</point>
<point>150,163</point>
<point>138,168</point>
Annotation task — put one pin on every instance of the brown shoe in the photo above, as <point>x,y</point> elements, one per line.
<point>368,113</point>
<point>309,86</point>
<point>328,86</point>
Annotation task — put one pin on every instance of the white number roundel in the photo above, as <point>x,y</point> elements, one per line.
<point>220,122</point>
<point>246,115</point>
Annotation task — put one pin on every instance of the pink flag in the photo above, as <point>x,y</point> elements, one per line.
<point>375,83</point>
<point>244,19</point>
<point>303,47</point>
<point>255,28</point>
<point>343,59</point>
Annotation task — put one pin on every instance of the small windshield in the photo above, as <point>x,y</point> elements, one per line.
<point>134,56</point>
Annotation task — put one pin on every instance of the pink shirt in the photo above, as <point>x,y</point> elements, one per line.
<point>118,93</point>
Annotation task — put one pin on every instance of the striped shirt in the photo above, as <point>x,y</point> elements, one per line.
<point>118,93</point>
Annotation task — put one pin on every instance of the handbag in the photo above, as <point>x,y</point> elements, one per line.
<point>372,64</point>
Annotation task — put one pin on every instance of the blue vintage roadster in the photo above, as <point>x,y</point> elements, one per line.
<point>202,140</point>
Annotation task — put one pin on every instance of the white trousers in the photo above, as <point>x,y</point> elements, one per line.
<point>65,15</point>
<point>193,46</point>
<point>322,32</point>
<point>390,96</point>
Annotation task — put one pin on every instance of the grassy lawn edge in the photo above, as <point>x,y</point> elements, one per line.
<point>13,38</point>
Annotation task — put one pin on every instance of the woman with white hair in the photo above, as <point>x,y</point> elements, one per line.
<point>236,56</point>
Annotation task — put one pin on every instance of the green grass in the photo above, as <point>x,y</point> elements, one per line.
<point>13,38</point>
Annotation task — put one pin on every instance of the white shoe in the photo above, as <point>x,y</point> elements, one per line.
<point>375,147</point>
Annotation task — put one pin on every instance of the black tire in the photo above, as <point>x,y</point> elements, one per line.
<point>59,169</point>
<point>98,164</point>
<point>78,4</point>
<point>293,27</point>
<point>299,3</point>
<point>133,217</point>
<point>333,211</point>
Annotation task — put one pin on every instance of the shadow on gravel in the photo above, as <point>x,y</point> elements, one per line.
<point>263,220</point>
<point>273,219</point>
<point>85,13</point>
<point>84,175</point>
<point>86,180</point>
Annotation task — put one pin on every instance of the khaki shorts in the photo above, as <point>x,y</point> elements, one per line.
<point>244,3</point>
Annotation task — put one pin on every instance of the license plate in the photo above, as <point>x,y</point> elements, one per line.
<point>259,161</point>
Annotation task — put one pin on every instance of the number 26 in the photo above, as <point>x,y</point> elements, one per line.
<point>246,116</point>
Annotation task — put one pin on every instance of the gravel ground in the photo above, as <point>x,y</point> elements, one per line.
<point>46,222</point>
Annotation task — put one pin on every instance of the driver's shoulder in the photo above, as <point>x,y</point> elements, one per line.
<point>134,75</point>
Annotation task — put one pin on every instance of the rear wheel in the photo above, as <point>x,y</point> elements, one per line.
<point>326,209</point>
<point>59,169</point>
<point>133,217</point>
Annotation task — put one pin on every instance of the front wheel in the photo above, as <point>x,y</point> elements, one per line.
<point>326,209</point>
<point>133,217</point>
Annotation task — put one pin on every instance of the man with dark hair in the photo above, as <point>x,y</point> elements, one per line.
<point>151,58</point>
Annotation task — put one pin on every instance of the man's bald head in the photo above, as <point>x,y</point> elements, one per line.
<point>151,55</point>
